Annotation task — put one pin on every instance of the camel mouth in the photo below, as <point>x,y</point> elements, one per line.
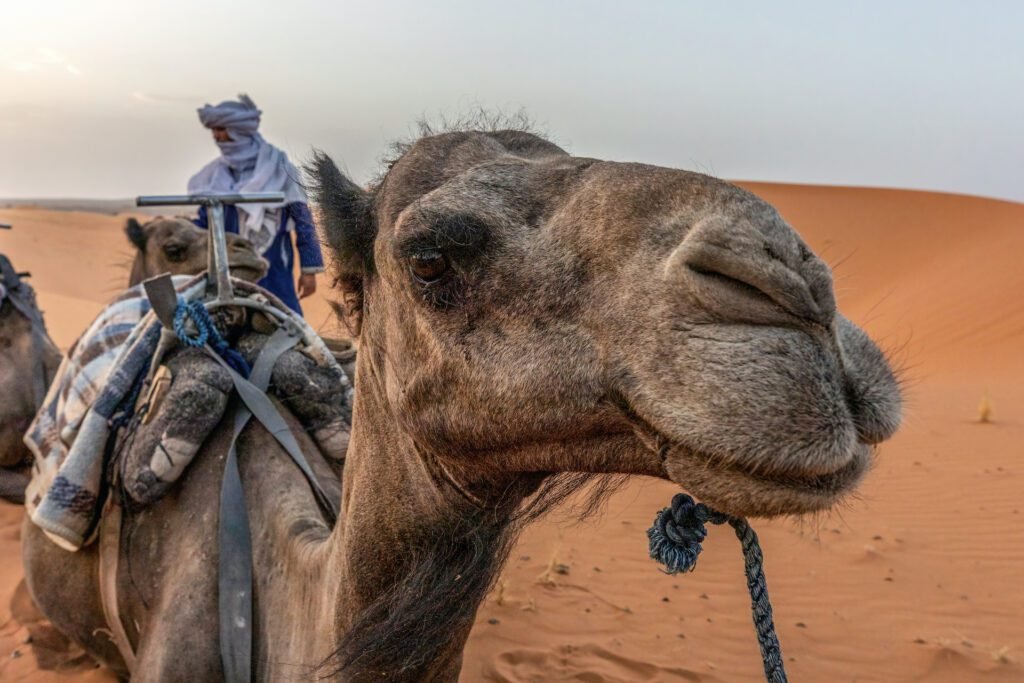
<point>742,487</point>
<point>738,488</point>
<point>830,483</point>
<point>751,484</point>
<point>250,271</point>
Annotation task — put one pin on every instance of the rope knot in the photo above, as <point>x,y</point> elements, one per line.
<point>206,332</point>
<point>678,531</point>
<point>675,541</point>
<point>196,313</point>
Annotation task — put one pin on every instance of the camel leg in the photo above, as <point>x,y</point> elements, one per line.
<point>65,587</point>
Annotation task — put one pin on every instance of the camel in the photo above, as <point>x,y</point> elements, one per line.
<point>162,245</point>
<point>491,279</point>
<point>28,362</point>
<point>178,247</point>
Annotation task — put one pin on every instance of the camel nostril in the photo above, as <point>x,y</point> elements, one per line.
<point>754,270</point>
<point>726,278</point>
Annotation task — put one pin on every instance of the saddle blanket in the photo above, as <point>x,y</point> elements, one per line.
<point>69,434</point>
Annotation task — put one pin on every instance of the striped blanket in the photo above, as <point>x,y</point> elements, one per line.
<point>95,380</point>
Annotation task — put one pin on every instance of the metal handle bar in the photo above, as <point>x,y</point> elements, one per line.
<point>209,199</point>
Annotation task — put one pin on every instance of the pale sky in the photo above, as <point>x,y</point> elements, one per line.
<point>98,97</point>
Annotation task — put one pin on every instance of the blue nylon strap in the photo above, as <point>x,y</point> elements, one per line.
<point>235,570</point>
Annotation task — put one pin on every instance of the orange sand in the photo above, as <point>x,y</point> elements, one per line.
<point>919,578</point>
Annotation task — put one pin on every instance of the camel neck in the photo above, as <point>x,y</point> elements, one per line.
<point>415,558</point>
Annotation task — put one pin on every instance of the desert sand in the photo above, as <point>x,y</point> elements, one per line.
<point>917,578</point>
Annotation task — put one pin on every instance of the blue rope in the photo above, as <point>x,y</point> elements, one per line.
<point>206,333</point>
<point>675,541</point>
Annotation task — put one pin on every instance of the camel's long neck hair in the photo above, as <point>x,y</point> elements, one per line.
<point>415,624</point>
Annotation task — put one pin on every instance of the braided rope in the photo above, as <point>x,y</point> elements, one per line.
<point>675,541</point>
<point>200,317</point>
<point>206,332</point>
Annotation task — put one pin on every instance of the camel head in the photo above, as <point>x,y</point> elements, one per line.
<point>176,246</point>
<point>524,312</point>
<point>27,364</point>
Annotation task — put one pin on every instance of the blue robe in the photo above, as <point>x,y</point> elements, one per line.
<point>280,278</point>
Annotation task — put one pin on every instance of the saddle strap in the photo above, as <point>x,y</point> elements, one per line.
<point>253,394</point>
<point>235,566</point>
<point>109,552</point>
<point>235,572</point>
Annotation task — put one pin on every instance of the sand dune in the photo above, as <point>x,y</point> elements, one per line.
<point>917,579</point>
<point>934,275</point>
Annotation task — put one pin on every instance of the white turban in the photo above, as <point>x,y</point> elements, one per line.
<point>248,163</point>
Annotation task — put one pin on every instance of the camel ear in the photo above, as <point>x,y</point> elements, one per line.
<point>346,221</point>
<point>136,234</point>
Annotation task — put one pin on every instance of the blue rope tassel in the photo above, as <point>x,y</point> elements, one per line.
<point>206,332</point>
<point>675,541</point>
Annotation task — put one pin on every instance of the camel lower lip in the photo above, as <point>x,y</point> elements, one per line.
<point>828,483</point>
<point>718,478</point>
<point>819,485</point>
<point>246,273</point>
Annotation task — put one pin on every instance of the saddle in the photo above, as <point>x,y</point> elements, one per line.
<point>183,398</point>
<point>188,396</point>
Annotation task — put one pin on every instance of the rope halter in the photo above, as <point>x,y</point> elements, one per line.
<point>675,541</point>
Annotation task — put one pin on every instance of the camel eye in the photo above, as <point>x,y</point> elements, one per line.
<point>428,266</point>
<point>175,253</point>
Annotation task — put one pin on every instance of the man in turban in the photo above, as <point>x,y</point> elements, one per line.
<point>248,163</point>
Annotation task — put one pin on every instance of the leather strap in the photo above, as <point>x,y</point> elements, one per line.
<point>162,297</point>
<point>257,402</point>
<point>109,552</point>
<point>235,573</point>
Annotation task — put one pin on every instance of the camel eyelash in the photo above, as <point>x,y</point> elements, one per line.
<point>442,294</point>
<point>437,291</point>
<point>462,240</point>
